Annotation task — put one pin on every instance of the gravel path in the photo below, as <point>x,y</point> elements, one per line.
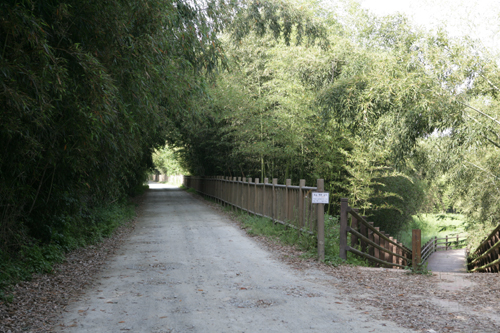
<point>187,268</point>
<point>448,261</point>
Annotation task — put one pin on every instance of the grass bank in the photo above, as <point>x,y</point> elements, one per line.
<point>432,225</point>
<point>304,241</point>
<point>35,257</point>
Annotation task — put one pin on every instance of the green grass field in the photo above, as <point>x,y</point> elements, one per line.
<point>432,225</point>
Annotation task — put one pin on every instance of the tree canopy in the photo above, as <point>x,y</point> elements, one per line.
<point>387,113</point>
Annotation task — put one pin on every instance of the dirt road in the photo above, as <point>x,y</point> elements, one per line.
<point>186,268</point>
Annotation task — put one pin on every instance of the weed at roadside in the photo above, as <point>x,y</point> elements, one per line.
<point>37,257</point>
<point>305,241</point>
<point>420,269</point>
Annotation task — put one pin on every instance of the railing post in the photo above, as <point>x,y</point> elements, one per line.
<point>238,193</point>
<point>288,182</point>
<point>264,201</point>
<point>343,229</point>
<point>400,252</point>
<point>392,247</point>
<point>256,207</point>
<point>385,255</point>
<point>249,194</point>
<point>371,237</point>
<point>302,183</point>
<point>275,182</point>
<point>376,239</point>
<point>363,230</point>
<point>321,223</point>
<point>233,194</point>
<point>354,226</point>
<point>243,199</point>
<point>416,239</point>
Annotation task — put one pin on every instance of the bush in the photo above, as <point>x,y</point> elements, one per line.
<point>66,234</point>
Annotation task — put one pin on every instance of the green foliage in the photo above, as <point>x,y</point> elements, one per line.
<point>166,161</point>
<point>304,241</point>
<point>190,190</point>
<point>401,198</point>
<point>434,225</point>
<point>421,269</point>
<point>255,225</point>
<point>88,89</point>
<point>39,257</point>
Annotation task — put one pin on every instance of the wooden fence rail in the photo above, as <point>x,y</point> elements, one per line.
<point>286,204</point>
<point>369,242</point>
<point>486,258</point>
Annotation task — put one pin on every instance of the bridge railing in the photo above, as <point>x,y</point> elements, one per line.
<point>368,241</point>
<point>486,258</point>
<point>446,243</point>
<point>286,204</point>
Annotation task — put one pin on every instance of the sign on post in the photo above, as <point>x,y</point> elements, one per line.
<point>320,198</point>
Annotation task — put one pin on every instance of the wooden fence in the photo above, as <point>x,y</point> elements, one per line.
<point>286,204</point>
<point>369,242</point>
<point>158,177</point>
<point>486,258</point>
<point>445,243</point>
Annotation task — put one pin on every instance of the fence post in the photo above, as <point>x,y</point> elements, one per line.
<point>225,190</point>
<point>416,240</point>
<point>398,251</point>
<point>238,193</point>
<point>302,183</point>
<point>392,247</point>
<point>446,244</point>
<point>354,226</point>
<point>376,239</point>
<point>264,201</point>
<point>275,182</point>
<point>288,182</point>
<point>363,230</point>
<point>321,223</point>
<point>234,193</point>
<point>256,207</point>
<point>249,195</point>
<point>344,205</point>
<point>387,246</point>
<point>242,194</point>
<point>370,237</point>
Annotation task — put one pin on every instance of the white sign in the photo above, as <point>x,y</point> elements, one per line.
<point>320,198</point>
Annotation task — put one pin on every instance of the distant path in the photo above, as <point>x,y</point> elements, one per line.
<point>186,268</point>
<point>452,261</point>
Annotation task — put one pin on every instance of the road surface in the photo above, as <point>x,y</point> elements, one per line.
<point>187,268</point>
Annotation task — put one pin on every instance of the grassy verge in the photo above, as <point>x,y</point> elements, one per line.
<point>432,225</point>
<point>304,241</point>
<point>34,257</point>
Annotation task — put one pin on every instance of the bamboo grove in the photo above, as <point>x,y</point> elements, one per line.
<point>394,117</point>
